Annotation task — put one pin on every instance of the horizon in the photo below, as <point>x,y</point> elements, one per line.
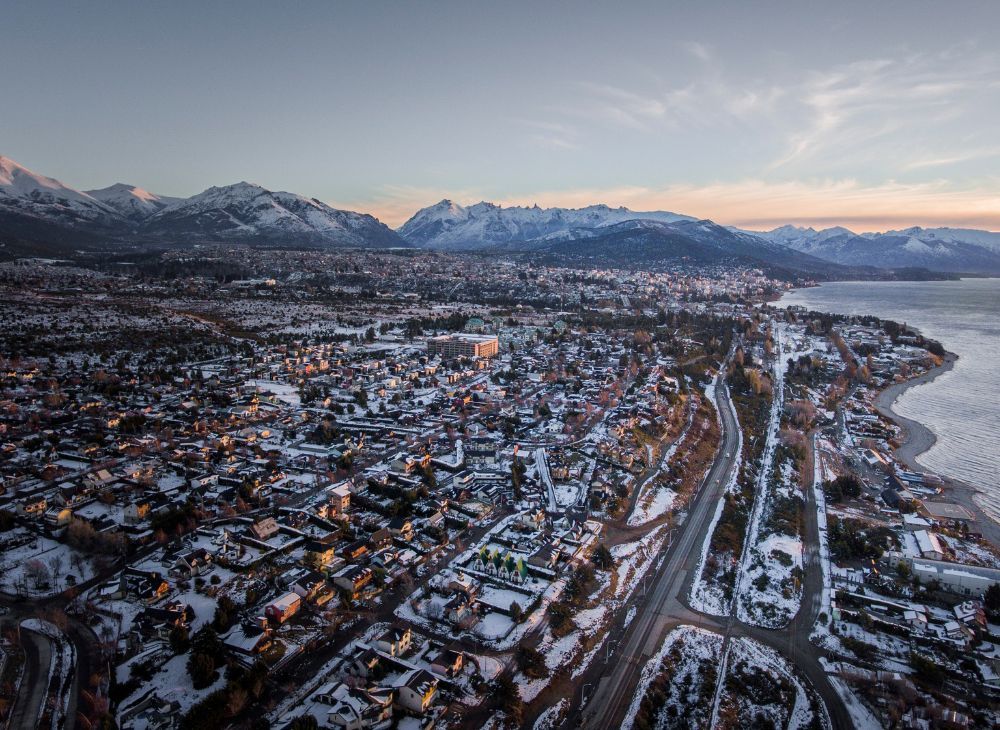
<point>387,109</point>
<point>817,223</point>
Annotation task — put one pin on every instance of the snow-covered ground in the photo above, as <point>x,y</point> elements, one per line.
<point>40,567</point>
<point>767,593</point>
<point>768,687</point>
<point>685,663</point>
<point>821,631</point>
<point>549,719</point>
<point>771,589</point>
<point>656,499</point>
<point>705,595</point>
<point>861,717</point>
<point>652,505</point>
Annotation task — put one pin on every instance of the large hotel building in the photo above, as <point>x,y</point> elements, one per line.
<point>463,345</point>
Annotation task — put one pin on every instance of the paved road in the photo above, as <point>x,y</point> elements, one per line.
<point>613,684</point>
<point>663,608</point>
<point>34,682</point>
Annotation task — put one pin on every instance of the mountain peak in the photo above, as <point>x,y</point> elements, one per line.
<point>485,224</point>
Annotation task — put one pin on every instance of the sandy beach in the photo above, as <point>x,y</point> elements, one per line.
<point>917,438</point>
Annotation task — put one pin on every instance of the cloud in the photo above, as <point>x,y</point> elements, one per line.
<point>698,50</point>
<point>979,153</point>
<point>620,106</point>
<point>853,109</point>
<point>754,204</point>
<point>551,135</point>
<point>395,204</point>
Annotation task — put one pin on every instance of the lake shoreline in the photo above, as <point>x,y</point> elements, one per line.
<point>916,439</point>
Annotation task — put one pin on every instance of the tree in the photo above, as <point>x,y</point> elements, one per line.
<point>531,661</point>
<point>201,667</point>
<point>602,557</point>
<point>516,612</point>
<point>179,639</point>
<point>303,722</point>
<point>224,612</point>
<point>991,601</point>
<point>508,697</point>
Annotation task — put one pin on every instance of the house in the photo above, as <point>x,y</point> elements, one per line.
<point>283,608</point>
<point>136,511</point>
<point>318,554</point>
<point>460,606</point>
<point>353,579</point>
<point>354,550</point>
<point>146,585</point>
<point>264,529</point>
<point>929,545</point>
<point>159,621</point>
<point>447,662</point>
<point>32,506</point>
<point>309,585</point>
<point>193,562</point>
<point>366,662</point>
<point>247,640</point>
<point>415,690</point>
<point>380,539</point>
<point>534,520</point>
<point>972,614</point>
<point>204,480</point>
<point>401,527</point>
<point>340,498</point>
<point>916,618</point>
<point>57,516</point>
<point>98,479</point>
<point>394,641</point>
<point>354,708</point>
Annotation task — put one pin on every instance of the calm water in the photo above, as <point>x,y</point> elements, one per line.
<point>961,407</point>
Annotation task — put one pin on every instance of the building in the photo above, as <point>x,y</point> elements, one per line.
<point>415,690</point>
<point>264,529</point>
<point>354,708</point>
<point>282,609</point>
<point>964,580</point>
<point>463,345</point>
<point>353,579</point>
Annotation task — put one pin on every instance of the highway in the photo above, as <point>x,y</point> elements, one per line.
<point>663,609</point>
<point>607,689</point>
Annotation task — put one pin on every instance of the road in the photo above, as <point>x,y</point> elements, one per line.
<point>38,652</point>
<point>34,682</point>
<point>663,608</point>
<point>614,683</point>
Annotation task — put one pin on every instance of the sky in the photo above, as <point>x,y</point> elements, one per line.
<point>873,115</point>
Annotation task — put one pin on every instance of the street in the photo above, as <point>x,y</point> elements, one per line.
<point>665,608</point>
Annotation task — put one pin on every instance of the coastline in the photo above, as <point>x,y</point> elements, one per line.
<point>916,439</point>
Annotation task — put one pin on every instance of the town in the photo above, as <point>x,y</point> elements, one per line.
<point>354,489</point>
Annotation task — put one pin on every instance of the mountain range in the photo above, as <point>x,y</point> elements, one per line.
<point>39,215</point>
<point>938,249</point>
<point>38,212</point>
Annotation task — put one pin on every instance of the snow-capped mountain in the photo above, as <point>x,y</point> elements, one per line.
<point>246,210</point>
<point>132,202</point>
<point>986,239</point>
<point>447,225</point>
<point>938,249</point>
<point>39,213</point>
<point>643,241</point>
<point>26,193</point>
